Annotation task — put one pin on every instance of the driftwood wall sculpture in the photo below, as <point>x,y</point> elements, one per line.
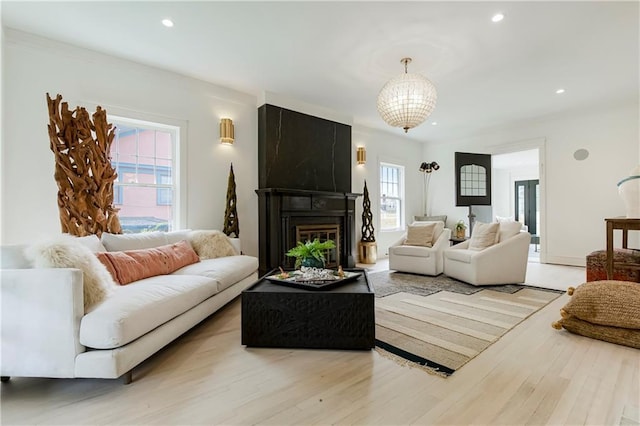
<point>231,225</point>
<point>83,170</point>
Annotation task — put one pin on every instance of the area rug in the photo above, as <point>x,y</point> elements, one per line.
<point>440,326</point>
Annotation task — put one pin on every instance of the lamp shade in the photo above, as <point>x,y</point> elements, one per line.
<point>361,155</point>
<point>226,131</point>
<point>407,100</point>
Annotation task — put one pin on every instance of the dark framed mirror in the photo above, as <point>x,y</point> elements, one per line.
<point>473,179</point>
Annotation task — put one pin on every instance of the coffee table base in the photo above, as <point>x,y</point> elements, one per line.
<point>339,318</point>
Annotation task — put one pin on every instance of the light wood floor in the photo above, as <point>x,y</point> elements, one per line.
<point>533,375</point>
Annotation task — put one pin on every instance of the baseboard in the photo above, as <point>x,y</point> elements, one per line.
<point>565,260</point>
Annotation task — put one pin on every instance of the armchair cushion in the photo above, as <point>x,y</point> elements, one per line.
<point>441,218</point>
<point>461,255</point>
<point>508,229</point>
<point>484,235</point>
<point>415,251</point>
<point>420,235</point>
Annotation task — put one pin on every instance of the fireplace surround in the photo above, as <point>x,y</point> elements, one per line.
<point>304,181</point>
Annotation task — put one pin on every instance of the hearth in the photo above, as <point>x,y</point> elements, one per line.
<point>291,215</point>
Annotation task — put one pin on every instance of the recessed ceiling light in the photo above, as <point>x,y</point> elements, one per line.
<point>435,123</point>
<point>560,91</point>
<point>167,23</point>
<point>497,17</point>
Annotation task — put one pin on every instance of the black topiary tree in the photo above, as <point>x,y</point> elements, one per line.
<point>231,225</point>
<point>367,218</point>
<point>367,247</point>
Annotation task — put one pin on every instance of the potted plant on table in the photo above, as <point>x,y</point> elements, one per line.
<point>460,229</point>
<point>311,253</point>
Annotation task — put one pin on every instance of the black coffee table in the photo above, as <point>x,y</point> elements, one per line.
<point>342,317</point>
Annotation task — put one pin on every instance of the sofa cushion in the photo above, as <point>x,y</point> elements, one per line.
<point>177,236</point>
<point>508,229</point>
<point>67,252</point>
<point>420,235</point>
<point>415,251</point>
<point>484,235</point>
<point>142,240</point>
<point>225,270</point>
<point>460,255</point>
<point>136,309</point>
<point>211,244</point>
<point>92,242</point>
<point>132,265</point>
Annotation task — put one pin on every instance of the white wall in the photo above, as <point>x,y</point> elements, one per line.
<point>392,148</point>
<point>579,194</point>
<point>33,66</point>
<point>502,188</point>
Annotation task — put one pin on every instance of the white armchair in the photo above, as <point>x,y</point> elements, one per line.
<point>501,263</point>
<point>419,259</point>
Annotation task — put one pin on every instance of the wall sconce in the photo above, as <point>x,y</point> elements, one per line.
<point>361,155</point>
<point>226,131</point>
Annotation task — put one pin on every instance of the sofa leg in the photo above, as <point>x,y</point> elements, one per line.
<point>127,377</point>
<point>4,379</point>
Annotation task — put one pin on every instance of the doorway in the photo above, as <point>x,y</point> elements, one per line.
<point>527,206</point>
<point>518,192</point>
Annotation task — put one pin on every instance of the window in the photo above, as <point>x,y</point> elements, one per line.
<point>391,197</point>
<point>143,155</point>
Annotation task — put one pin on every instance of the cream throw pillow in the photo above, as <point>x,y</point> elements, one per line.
<point>211,244</point>
<point>508,230</point>
<point>66,252</point>
<point>484,235</point>
<point>421,235</point>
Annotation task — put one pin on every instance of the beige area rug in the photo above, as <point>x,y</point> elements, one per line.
<point>441,332</point>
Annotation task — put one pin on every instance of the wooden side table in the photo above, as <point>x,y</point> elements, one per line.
<point>626,225</point>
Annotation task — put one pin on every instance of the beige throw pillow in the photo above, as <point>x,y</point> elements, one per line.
<point>484,235</point>
<point>508,230</point>
<point>421,235</point>
<point>211,244</point>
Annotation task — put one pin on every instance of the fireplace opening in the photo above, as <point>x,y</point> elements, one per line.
<point>322,232</point>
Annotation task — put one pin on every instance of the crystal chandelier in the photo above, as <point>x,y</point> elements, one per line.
<point>407,100</point>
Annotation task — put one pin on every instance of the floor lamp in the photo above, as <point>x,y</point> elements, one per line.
<point>427,169</point>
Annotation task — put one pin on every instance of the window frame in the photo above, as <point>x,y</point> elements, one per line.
<point>401,198</point>
<point>178,184</point>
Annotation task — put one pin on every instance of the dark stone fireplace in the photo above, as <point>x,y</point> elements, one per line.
<point>304,186</point>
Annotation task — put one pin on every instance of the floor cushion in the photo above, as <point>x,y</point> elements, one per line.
<point>604,310</point>
<point>617,335</point>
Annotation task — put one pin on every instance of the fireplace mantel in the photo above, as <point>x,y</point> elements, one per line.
<point>282,210</point>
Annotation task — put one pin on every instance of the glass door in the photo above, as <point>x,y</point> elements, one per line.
<point>527,208</point>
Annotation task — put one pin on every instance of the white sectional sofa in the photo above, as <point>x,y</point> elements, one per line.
<point>46,332</point>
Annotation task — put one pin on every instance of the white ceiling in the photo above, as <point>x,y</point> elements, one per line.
<point>338,55</point>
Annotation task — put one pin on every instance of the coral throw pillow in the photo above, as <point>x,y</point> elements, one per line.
<point>484,235</point>
<point>133,265</point>
<point>421,235</point>
<point>211,244</point>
